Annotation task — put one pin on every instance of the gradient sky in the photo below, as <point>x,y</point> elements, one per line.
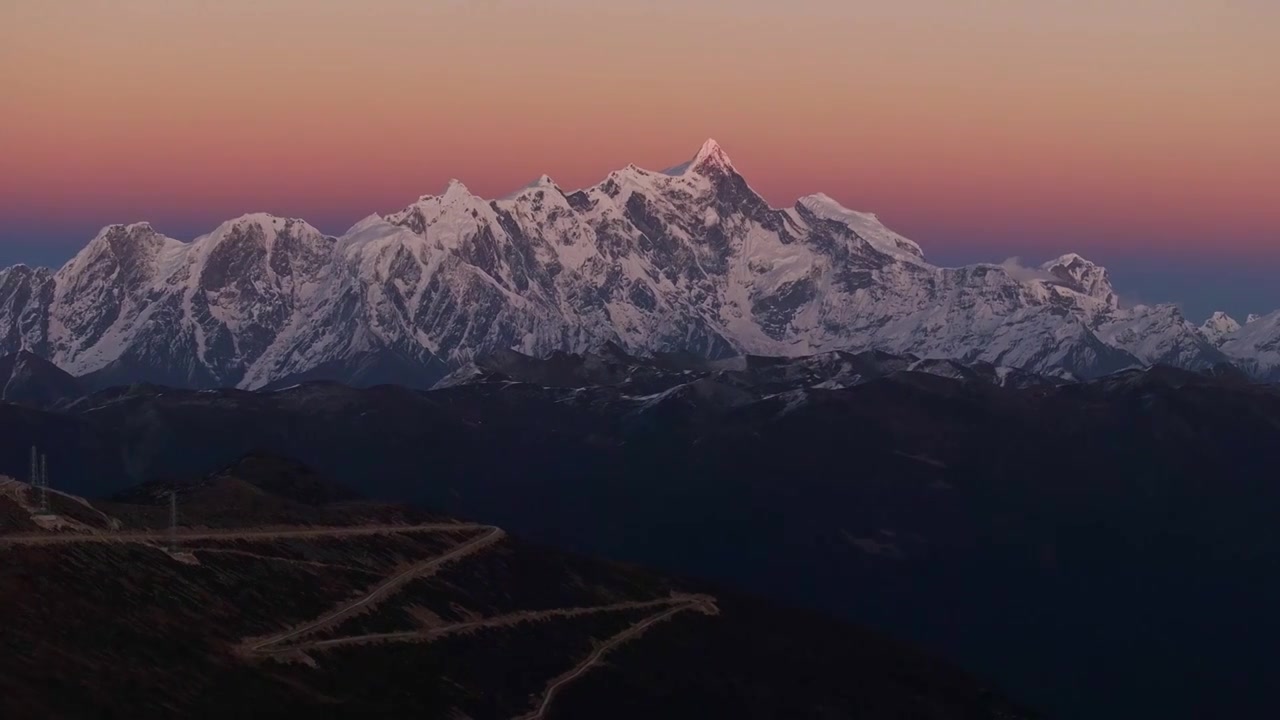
<point>1144,134</point>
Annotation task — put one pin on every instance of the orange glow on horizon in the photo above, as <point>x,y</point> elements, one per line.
<point>1148,121</point>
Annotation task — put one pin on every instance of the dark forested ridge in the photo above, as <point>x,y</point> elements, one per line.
<point>1100,549</point>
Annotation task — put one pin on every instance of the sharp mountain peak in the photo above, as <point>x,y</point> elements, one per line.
<point>690,260</point>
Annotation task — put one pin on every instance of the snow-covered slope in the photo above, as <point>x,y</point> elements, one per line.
<point>1256,346</point>
<point>1218,327</point>
<point>689,259</point>
<point>136,305</point>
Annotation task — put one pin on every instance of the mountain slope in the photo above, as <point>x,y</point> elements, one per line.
<point>1256,346</point>
<point>26,295</point>
<point>28,379</point>
<point>1218,327</point>
<point>929,499</point>
<point>297,600</point>
<point>689,259</point>
<point>135,305</point>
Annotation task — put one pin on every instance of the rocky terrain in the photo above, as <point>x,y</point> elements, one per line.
<point>279,593</point>
<point>689,259</point>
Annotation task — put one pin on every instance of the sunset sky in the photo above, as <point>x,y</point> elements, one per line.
<point>1144,133</point>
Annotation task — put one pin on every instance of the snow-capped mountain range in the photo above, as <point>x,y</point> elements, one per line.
<point>688,259</point>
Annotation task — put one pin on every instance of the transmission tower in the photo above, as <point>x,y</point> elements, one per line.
<point>173,520</point>
<point>40,478</point>
<point>44,485</point>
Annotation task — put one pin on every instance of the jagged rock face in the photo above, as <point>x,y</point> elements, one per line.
<point>1218,327</point>
<point>689,259</point>
<point>138,306</point>
<point>250,280</point>
<point>1085,278</point>
<point>26,295</point>
<point>1257,346</point>
<point>109,300</point>
<point>1158,335</point>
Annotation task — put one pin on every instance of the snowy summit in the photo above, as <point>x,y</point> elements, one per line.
<point>690,259</point>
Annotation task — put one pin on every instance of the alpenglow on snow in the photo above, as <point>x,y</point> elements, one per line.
<point>688,259</point>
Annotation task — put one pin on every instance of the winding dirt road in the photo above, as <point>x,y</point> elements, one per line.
<point>515,618</point>
<point>380,591</point>
<point>703,603</point>
<point>284,642</point>
<point>277,558</point>
<point>232,534</point>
